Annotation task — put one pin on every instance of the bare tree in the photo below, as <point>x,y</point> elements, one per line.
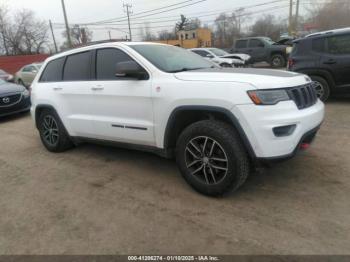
<point>79,35</point>
<point>24,34</point>
<point>166,35</point>
<point>181,25</point>
<point>268,26</point>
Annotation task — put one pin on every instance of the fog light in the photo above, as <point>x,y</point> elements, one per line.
<point>284,130</point>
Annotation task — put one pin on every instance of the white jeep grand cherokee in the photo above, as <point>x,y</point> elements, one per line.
<point>218,123</point>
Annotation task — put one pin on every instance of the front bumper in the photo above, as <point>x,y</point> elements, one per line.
<point>22,106</point>
<point>258,123</point>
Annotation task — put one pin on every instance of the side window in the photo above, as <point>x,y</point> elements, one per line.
<point>77,67</point>
<point>241,43</point>
<point>318,45</point>
<point>106,61</point>
<point>53,71</point>
<point>201,53</point>
<point>339,45</point>
<point>254,43</point>
<point>27,69</point>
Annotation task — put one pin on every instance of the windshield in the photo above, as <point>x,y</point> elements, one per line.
<point>218,52</point>
<point>172,59</point>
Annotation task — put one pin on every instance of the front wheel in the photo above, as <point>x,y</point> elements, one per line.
<point>212,158</point>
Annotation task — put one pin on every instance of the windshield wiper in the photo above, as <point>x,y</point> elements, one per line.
<point>187,69</point>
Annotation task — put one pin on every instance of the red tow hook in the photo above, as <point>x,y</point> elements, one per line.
<point>304,146</point>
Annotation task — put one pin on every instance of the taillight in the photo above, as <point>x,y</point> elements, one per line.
<point>291,62</point>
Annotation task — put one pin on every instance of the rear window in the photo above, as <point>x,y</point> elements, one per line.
<point>318,45</point>
<point>53,71</point>
<point>241,43</point>
<point>77,67</point>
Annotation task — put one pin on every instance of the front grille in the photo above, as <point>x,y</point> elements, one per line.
<point>9,100</point>
<point>303,96</point>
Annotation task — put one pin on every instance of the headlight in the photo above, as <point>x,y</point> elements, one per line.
<point>268,97</point>
<point>25,93</point>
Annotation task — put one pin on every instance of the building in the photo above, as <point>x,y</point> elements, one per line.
<point>200,37</point>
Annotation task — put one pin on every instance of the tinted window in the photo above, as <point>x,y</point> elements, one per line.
<point>255,43</point>
<point>339,44</point>
<point>201,52</point>
<point>241,43</point>
<point>53,71</point>
<point>106,61</point>
<point>77,67</point>
<point>318,45</point>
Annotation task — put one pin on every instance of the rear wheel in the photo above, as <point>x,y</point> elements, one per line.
<point>212,158</point>
<point>278,61</point>
<point>226,65</point>
<point>52,132</point>
<point>322,87</point>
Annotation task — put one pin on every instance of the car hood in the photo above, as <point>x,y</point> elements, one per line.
<point>259,78</point>
<point>10,88</point>
<point>241,56</point>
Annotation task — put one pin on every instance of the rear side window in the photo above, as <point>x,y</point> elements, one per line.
<point>106,61</point>
<point>339,44</point>
<point>241,43</point>
<point>77,67</point>
<point>318,45</point>
<point>254,43</point>
<point>53,71</point>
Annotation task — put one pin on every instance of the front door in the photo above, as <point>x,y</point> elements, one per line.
<point>122,108</point>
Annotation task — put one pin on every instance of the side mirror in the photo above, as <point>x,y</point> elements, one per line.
<point>130,69</point>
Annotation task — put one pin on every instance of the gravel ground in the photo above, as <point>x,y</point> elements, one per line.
<point>100,200</point>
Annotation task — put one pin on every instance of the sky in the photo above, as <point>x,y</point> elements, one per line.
<point>87,11</point>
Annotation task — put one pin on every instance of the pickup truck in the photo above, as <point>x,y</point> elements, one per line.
<point>262,49</point>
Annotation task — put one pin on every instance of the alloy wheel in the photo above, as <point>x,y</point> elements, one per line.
<point>50,130</point>
<point>206,160</point>
<point>319,89</point>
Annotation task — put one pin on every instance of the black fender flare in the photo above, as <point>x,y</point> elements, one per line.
<point>233,119</point>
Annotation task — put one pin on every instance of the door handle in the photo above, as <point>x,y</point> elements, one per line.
<point>330,62</point>
<point>96,88</point>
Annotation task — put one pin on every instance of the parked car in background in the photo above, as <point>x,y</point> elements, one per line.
<point>217,122</point>
<point>262,49</point>
<point>26,74</point>
<point>221,57</point>
<point>13,99</point>
<point>5,76</point>
<point>325,57</point>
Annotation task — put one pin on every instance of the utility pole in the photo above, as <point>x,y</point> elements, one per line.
<point>296,25</point>
<point>128,12</point>
<point>109,34</point>
<point>67,25</point>
<point>53,36</point>
<point>290,27</point>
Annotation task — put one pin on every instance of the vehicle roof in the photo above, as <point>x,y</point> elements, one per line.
<point>99,45</point>
<point>330,32</point>
<point>254,37</point>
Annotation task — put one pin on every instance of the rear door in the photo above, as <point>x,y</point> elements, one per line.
<point>337,58</point>
<point>241,46</point>
<point>122,110</point>
<point>256,49</point>
<point>67,82</point>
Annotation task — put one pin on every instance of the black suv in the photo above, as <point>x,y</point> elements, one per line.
<point>325,57</point>
<point>262,49</point>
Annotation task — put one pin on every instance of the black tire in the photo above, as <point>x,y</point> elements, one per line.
<point>228,145</point>
<point>278,61</point>
<point>323,90</point>
<point>60,140</point>
<point>226,65</point>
